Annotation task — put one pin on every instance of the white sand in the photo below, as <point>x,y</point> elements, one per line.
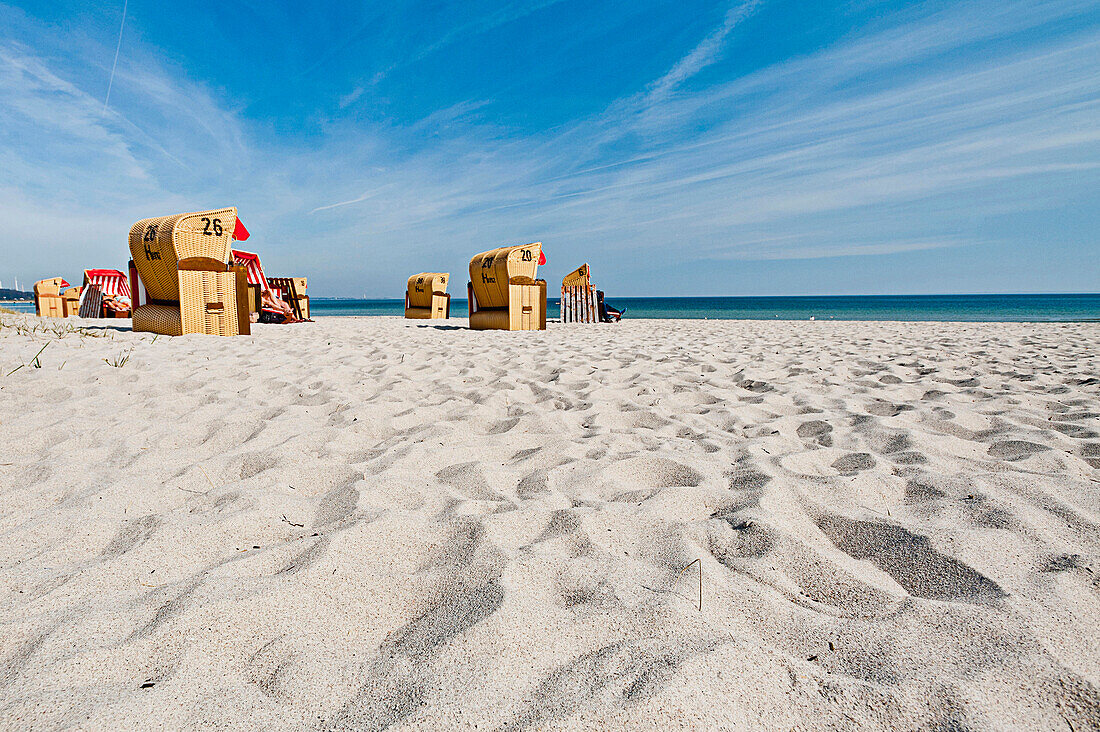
<point>367,522</point>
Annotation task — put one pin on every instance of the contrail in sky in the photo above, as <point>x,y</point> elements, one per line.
<point>112,79</point>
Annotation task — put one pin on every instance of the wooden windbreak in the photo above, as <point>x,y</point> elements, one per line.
<point>291,295</point>
<point>578,304</point>
<point>91,301</point>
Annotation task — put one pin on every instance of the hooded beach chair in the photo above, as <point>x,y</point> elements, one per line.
<point>100,284</point>
<point>48,301</point>
<point>182,276</point>
<point>503,292</point>
<point>426,296</point>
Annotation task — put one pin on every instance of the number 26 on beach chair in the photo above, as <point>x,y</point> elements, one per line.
<point>503,292</point>
<point>181,276</point>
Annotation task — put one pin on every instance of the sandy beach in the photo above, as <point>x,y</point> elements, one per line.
<point>369,522</point>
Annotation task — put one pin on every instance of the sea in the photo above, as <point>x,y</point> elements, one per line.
<point>966,308</point>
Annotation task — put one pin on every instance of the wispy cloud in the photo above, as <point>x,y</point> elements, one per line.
<point>703,55</point>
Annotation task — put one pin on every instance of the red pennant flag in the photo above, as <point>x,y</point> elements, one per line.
<point>542,257</point>
<point>239,232</point>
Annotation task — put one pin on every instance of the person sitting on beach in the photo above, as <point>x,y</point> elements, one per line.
<point>283,312</point>
<point>609,314</point>
<point>115,306</point>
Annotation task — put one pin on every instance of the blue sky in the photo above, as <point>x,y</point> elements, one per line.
<point>681,147</point>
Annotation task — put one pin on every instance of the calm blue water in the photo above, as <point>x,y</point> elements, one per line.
<point>979,308</point>
<point>1057,308</point>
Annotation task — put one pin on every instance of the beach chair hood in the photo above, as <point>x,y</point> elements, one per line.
<point>158,244</point>
<point>111,282</point>
<point>251,262</point>
<point>423,285</point>
<point>491,271</point>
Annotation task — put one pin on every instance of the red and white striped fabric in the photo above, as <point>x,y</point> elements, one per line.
<point>252,264</point>
<point>112,283</point>
<point>255,271</point>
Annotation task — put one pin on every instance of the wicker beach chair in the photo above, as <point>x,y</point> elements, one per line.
<point>100,284</point>
<point>426,296</point>
<point>48,302</point>
<point>503,292</point>
<point>70,301</point>
<point>182,276</point>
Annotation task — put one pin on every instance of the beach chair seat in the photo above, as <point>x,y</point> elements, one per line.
<point>503,291</point>
<point>426,296</point>
<point>48,302</point>
<point>183,276</point>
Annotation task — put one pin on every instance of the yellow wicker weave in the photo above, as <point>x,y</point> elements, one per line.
<point>189,300</point>
<point>162,319</point>
<point>157,244</point>
<point>71,301</point>
<point>209,302</point>
<point>48,302</point>
<point>422,286</point>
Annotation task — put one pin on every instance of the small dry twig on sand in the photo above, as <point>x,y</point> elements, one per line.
<point>212,486</point>
<point>700,563</point>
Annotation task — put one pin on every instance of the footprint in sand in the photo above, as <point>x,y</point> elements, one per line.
<point>1091,453</point>
<point>1015,449</point>
<point>853,463</point>
<point>468,478</point>
<point>816,432</point>
<point>131,536</point>
<point>881,408</point>
<point>910,559</point>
